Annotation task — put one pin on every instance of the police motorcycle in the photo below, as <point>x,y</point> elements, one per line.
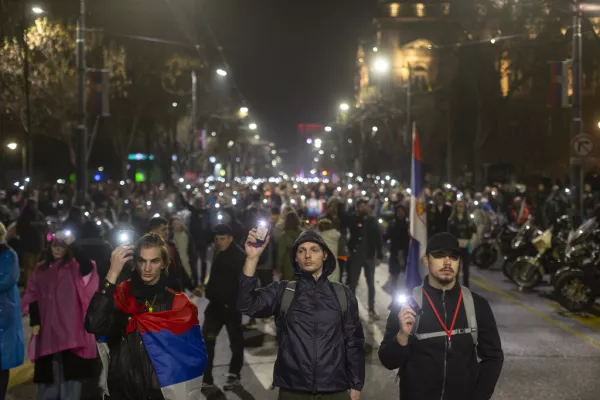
<point>528,271</point>
<point>577,286</point>
<point>497,241</point>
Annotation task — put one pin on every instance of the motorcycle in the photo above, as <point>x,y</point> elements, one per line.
<point>521,245</point>
<point>577,287</point>
<point>528,271</point>
<point>498,241</point>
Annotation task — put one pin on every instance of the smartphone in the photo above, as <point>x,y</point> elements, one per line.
<point>125,237</point>
<point>405,300</point>
<point>262,230</point>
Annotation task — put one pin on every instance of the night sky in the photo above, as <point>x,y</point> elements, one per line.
<point>293,60</point>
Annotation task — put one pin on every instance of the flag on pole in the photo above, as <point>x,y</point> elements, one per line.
<point>173,341</point>
<point>415,270</point>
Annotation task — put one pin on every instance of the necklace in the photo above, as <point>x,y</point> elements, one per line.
<point>149,306</point>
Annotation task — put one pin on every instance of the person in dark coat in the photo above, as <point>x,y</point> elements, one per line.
<point>320,347</point>
<point>438,215</point>
<point>441,367</point>
<point>31,228</point>
<point>91,243</point>
<point>399,239</point>
<point>199,230</point>
<point>131,375</point>
<point>222,293</point>
<point>366,251</point>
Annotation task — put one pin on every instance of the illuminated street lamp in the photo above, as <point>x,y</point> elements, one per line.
<point>221,72</point>
<point>257,137</point>
<point>253,126</point>
<point>344,107</point>
<point>37,10</point>
<point>381,65</point>
<point>174,104</point>
<point>328,129</point>
<point>375,129</point>
<point>12,146</point>
<point>375,49</point>
<point>244,110</point>
<point>318,143</point>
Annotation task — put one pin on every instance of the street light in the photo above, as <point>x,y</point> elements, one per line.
<point>174,104</point>
<point>37,10</point>
<point>344,107</point>
<point>375,129</point>
<point>328,129</point>
<point>382,65</point>
<point>375,49</point>
<point>221,72</point>
<point>257,137</point>
<point>230,144</point>
<point>244,110</point>
<point>273,152</point>
<point>12,146</point>
<point>318,143</point>
<point>253,126</point>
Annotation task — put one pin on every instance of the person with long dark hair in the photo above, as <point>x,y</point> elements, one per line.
<point>57,296</point>
<point>462,227</point>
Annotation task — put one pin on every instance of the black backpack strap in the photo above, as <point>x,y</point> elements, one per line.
<point>340,293</point>
<point>286,300</point>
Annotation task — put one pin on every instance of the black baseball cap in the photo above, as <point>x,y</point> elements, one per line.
<point>223,229</point>
<point>443,243</point>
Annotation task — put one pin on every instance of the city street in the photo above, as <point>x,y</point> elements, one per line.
<point>549,354</point>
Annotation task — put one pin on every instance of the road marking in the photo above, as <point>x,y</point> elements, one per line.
<point>589,320</point>
<point>489,287</point>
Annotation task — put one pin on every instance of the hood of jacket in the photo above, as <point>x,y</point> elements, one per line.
<point>313,237</point>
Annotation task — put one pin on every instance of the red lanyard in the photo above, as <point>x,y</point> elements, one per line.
<point>448,331</point>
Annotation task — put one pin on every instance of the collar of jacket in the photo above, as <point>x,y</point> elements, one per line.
<point>432,290</point>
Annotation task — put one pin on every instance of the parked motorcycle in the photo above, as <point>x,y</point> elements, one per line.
<point>577,287</point>
<point>528,271</point>
<point>493,243</point>
<point>521,245</point>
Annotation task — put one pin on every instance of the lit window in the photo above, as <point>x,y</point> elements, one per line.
<point>420,9</point>
<point>394,9</point>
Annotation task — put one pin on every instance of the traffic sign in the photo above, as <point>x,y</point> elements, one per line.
<point>582,145</point>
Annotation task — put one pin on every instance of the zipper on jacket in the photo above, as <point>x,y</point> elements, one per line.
<point>445,345</point>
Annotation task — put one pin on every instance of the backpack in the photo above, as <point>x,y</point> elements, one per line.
<point>288,297</point>
<point>469,309</point>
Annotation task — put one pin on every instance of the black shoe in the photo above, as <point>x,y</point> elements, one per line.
<point>233,381</point>
<point>208,387</point>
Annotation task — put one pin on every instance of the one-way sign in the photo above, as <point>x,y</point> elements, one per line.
<point>582,145</point>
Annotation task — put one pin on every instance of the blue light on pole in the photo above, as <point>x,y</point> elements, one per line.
<point>97,177</point>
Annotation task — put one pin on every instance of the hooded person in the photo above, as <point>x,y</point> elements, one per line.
<point>319,330</point>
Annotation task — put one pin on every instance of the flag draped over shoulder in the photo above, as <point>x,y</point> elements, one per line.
<point>415,271</point>
<point>173,341</point>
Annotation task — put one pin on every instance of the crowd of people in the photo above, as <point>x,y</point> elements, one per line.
<point>87,271</point>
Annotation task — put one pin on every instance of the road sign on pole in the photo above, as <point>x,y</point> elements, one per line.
<point>582,145</point>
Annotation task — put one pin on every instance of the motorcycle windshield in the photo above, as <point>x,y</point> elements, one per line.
<point>583,232</point>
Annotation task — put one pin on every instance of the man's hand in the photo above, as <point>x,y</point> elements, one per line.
<point>406,319</point>
<point>118,258</point>
<point>35,330</point>
<point>252,252</point>
<point>354,395</point>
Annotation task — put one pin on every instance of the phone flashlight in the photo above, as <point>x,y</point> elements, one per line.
<point>262,229</point>
<point>125,237</point>
<point>404,300</point>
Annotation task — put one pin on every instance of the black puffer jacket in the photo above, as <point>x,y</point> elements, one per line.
<point>318,351</point>
<point>427,371</point>
<point>131,375</point>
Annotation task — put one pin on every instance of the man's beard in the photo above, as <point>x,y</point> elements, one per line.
<point>444,281</point>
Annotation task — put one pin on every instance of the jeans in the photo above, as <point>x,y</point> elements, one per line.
<point>355,265</point>
<point>215,316</point>
<point>59,389</point>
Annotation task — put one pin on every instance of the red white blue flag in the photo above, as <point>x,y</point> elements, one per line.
<point>173,341</point>
<point>415,270</point>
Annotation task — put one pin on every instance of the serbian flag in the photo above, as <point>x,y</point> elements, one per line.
<point>173,341</point>
<point>415,270</point>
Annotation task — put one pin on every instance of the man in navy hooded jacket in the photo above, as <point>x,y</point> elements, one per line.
<point>320,347</point>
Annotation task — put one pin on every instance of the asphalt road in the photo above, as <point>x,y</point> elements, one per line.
<point>549,354</point>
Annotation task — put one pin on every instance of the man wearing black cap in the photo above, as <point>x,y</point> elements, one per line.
<point>443,338</point>
<point>320,335</point>
<point>222,292</point>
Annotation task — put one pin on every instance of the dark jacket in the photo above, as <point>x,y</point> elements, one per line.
<point>319,351</point>
<point>222,287</point>
<point>357,224</point>
<point>438,220</point>
<point>398,235</point>
<point>199,224</point>
<point>423,364</point>
<point>131,375</point>
<point>462,229</point>
<point>178,279</point>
